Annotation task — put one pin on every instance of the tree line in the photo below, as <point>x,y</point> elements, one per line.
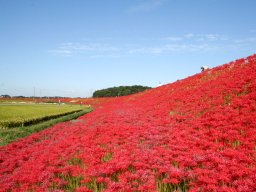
<point>119,91</point>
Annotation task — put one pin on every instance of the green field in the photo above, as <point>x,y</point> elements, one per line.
<point>19,115</point>
<point>19,120</point>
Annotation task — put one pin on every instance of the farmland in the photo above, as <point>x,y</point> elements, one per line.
<point>19,119</point>
<point>14,115</point>
<point>196,134</point>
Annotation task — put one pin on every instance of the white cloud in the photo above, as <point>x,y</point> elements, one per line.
<point>209,37</point>
<point>212,37</point>
<point>87,47</point>
<point>189,35</point>
<point>173,38</point>
<point>197,37</point>
<point>108,56</point>
<point>61,52</point>
<point>246,40</point>
<point>147,5</point>
<point>173,48</point>
<point>69,49</point>
<point>171,44</point>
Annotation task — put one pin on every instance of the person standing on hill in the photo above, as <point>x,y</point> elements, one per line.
<point>203,68</point>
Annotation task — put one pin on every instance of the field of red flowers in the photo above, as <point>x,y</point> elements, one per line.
<point>196,134</point>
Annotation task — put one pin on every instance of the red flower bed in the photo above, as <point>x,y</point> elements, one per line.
<point>197,134</point>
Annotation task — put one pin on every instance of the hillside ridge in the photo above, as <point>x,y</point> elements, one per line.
<point>196,134</point>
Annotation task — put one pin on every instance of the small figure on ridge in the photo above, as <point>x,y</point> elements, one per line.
<point>203,68</point>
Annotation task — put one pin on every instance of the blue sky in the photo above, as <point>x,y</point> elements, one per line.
<point>74,47</point>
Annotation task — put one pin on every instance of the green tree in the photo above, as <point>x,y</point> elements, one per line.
<point>119,91</point>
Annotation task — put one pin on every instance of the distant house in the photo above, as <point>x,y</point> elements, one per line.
<point>5,96</point>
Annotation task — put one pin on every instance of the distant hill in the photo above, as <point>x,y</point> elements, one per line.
<point>119,91</point>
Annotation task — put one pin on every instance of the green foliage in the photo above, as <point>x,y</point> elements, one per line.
<point>119,91</point>
<point>75,161</point>
<point>72,182</point>
<point>15,115</point>
<point>167,185</point>
<point>107,157</point>
<point>9,135</point>
<point>95,186</point>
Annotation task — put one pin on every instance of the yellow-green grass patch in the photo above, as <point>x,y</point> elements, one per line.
<point>14,115</point>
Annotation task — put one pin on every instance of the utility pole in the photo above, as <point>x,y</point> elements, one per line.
<point>91,92</point>
<point>34,93</point>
